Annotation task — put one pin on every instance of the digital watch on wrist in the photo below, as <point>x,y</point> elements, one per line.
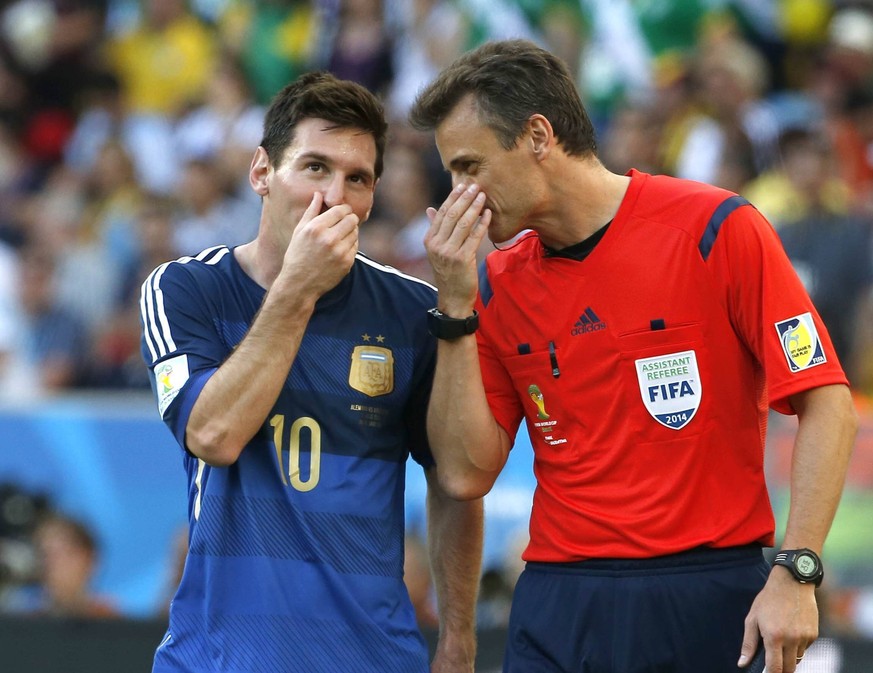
<point>443,327</point>
<point>804,564</point>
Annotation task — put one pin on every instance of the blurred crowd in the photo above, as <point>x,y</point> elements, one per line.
<point>127,128</point>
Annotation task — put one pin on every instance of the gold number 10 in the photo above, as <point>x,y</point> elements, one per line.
<point>278,423</point>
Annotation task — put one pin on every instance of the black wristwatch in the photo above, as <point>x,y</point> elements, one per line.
<point>804,564</point>
<point>444,327</point>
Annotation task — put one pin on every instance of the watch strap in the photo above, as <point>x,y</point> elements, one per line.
<point>445,327</point>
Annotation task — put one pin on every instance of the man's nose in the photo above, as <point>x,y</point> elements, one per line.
<point>334,195</point>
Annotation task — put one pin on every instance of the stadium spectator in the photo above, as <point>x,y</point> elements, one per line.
<point>274,40</point>
<point>632,140</point>
<point>430,33</point>
<point>113,199</point>
<point>54,46</point>
<point>736,138</point>
<point>844,84</point>
<point>828,245</point>
<point>293,373</point>
<point>114,358</point>
<point>404,195</point>
<point>20,178</point>
<point>224,127</point>
<point>806,180</point>
<point>211,213</point>
<point>163,64</point>
<point>165,60</point>
<point>50,344</point>
<point>362,49</point>
<point>640,329</point>
<point>89,227</point>
<point>68,557</point>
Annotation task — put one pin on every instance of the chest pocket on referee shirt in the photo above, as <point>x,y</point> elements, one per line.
<point>663,374</point>
<point>540,395</point>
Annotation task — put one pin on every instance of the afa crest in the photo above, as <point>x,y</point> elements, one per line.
<point>372,370</point>
<point>800,343</point>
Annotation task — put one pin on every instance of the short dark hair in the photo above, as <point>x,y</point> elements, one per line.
<point>79,533</point>
<point>322,95</point>
<point>510,80</point>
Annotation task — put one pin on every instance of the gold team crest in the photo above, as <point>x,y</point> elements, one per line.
<point>372,371</point>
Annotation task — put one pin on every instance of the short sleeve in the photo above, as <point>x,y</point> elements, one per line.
<point>180,344</point>
<point>770,309</point>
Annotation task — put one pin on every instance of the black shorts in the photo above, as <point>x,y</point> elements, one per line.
<point>682,613</point>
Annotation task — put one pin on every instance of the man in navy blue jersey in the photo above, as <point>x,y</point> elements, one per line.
<point>295,372</point>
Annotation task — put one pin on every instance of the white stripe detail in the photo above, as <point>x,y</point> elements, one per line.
<point>150,308</point>
<point>198,482</point>
<point>167,639</point>
<point>144,294</point>
<point>390,269</point>
<point>166,333</point>
<point>154,309</point>
<point>222,251</point>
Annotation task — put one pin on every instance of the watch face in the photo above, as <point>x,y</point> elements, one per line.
<point>806,565</point>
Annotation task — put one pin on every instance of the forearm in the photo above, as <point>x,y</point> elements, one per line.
<point>784,613</point>
<point>234,403</point>
<point>469,445</point>
<point>825,436</point>
<point>455,530</point>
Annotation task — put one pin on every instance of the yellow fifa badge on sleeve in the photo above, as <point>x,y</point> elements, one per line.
<point>372,370</point>
<point>800,342</point>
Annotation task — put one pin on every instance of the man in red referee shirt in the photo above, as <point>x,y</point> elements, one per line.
<point>641,326</point>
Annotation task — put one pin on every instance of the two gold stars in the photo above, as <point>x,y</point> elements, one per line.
<point>367,337</point>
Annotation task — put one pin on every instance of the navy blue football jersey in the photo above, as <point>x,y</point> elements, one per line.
<point>295,556</point>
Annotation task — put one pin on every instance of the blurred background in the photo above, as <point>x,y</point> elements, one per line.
<point>126,131</point>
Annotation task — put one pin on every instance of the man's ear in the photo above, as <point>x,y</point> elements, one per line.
<point>259,171</point>
<point>542,136</point>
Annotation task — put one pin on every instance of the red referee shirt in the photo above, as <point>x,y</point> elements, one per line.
<point>644,372</point>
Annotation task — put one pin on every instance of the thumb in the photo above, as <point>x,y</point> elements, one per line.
<point>314,207</point>
<point>751,642</point>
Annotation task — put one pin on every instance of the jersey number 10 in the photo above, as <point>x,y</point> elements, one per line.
<point>294,451</point>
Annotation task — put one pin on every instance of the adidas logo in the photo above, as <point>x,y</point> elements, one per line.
<point>588,322</point>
